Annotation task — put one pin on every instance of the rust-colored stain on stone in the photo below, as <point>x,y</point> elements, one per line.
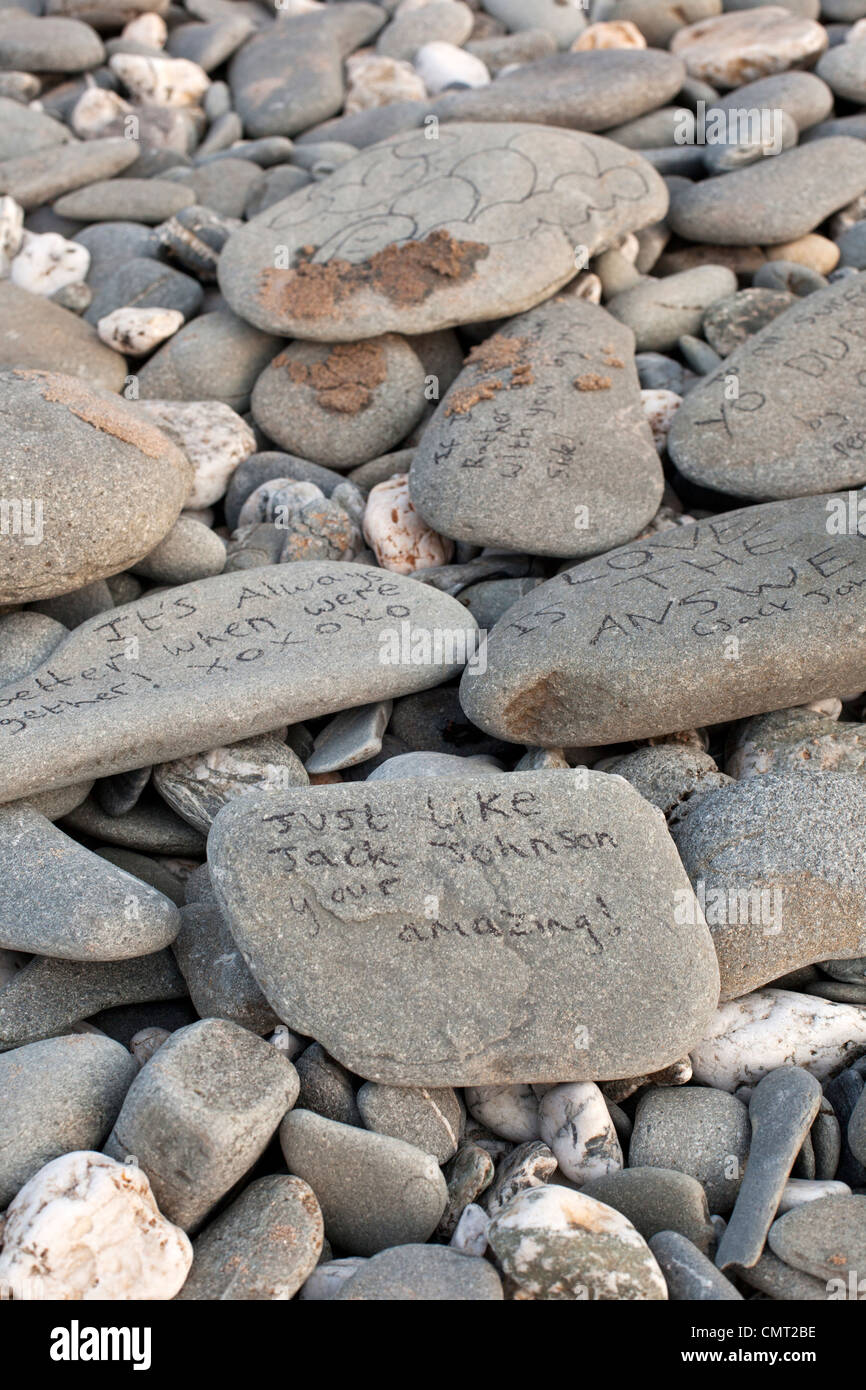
<point>104,414</point>
<point>496,354</point>
<point>528,714</point>
<point>346,379</point>
<point>404,273</point>
<point>592,381</point>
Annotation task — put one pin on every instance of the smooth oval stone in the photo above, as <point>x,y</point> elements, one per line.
<point>426,1117</point>
<point>659,20</point>
<point>58,899</point>
<point>198,787</point>
<point>37,333</point>
<point>140,200</point>
<point>374,1191</point>
<point>738,47</point>
<point>775,863</point>
<point>637,643</point>
<point>399,879</point>
<point>826,1239</point>
<point>428,1273</point>
<point>216,357</point>
<point>26,640</point>
<point>844,69</point>
<point>585,91</point>
<point>33,179</point>
<point>416,235</point>
<point>657,1199</point>
<point>697,1130</point>
<point>730,322</point>
<point>269,649</point>
<point>560,1246</point>
<point>97,487</point>
<point>659,312</point>
<point>528,447</point>
<point>776,200</point>
<point>263,1247</point>
<point>219,982</point>
<point>341,404</point>
<point>58,1095</point>
<point>147,284</point>
<point>31,44</point>
<point>24,131</point>
<point>793,423</point>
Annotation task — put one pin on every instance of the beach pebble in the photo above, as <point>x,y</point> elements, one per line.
<point>562,1246</point>
<point>213,437</point>
<point>199,786</point>
<point>441,65</point>
<point>826,1239</point>
<point>729,50</point>
<point>263,1247</point>
<point>48,263</point>
<point>374,1191</point>
<point>200,1113</point>
<point>99,1234</point>
<point>574,1122</point>
<point>657,1199</point>
<point>428,1273</point>
<point>135,331</point>
<point>374,80</point>
<point>690,1277</point>
<point>527,1165</point>
<point>162,81</point>
<point>396,532</point>
<point>697,1130</point>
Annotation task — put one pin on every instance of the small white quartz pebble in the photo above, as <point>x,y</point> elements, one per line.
<point>509,1111</point>
<point>400,540</point>
<point>771,1028</point>
<point>214,438</point>
<point>470,1234</point>
<point>146,1041</point>
<point>373,80</point>
<point>146,28</point>
<point>95,110</point>
<point>575,1124</point>
<point>161,81</point>
<point>87,1228</point>
<point>439,65</point>
<point>660,407</point>
<point>11,231</point>
<point>47,262</point>
<point>799,1190</point>
<point>135,331</point>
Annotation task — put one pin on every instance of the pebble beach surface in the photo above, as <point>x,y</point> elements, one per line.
<point>432,650</point>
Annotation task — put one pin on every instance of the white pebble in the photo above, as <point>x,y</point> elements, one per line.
<point>214,438</point>
<point>777,1028</point>
<point>135,331</point>
<point>327,1279</point>
<point>470,1234</point>
<point>95,110</point>
<point>373,80</point>
<point>799,1190</point>
<point>47,262</point>
<point>575,1123</point>
<point>660,407</point>
<point>401,540</point>
<point>440,65</point>
<point>509,1111</point>
<point>146,28</point>
<point>162,81</point>
<point>11,231</point>
<point>146,1041</point>
<point>87,1228</point>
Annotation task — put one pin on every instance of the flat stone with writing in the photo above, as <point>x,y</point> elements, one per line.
<point>785,414</point>
<point>542,442</point>
<point>423,231</point>
<point>744,612</point>
<point>511,927</point>
<point>206,664</point>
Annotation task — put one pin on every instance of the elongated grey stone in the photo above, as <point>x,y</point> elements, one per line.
<point>496,923</point>
<point>748,611</point>
<point>350,738</point>
<point>58,899</point>
<point>527,448</point>
<point>781,1110</point>
<point>200,665</point>
<point>689,1275</point>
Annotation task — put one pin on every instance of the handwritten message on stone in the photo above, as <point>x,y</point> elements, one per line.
<point>747,611</point>
<point>786,413</point>
<point>454,932</point>
<point>214,661</point>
